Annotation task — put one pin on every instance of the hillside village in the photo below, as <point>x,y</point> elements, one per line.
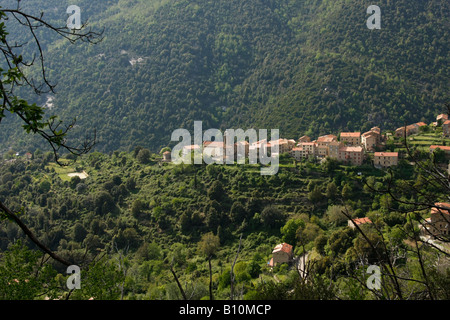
<point>349,148</point>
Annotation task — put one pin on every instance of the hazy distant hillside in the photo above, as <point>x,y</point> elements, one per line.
<point>301,66</point>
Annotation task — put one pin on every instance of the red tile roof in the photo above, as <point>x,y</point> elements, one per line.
<point>440,206</point>
<point>370,133</point>
<point>350,134</point>
<point>214,144</point>
<point>386,154</point>
<point>191,147</point>
<point>440,147</point>
<point>328,137</point>
<point>306,143</point>
<point>283,247</point>
<point>361,220</point>
<point>351,149</point>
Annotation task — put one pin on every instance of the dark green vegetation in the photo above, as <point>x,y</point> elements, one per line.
<point>135,225</point>
<point>301,66</point>
<point>139,218</point>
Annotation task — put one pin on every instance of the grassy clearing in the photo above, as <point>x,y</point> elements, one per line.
<point>423,141</point>
<point>63,172</point>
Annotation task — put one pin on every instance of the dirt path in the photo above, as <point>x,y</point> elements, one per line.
<point>301,261</point>
<point>82,175</point>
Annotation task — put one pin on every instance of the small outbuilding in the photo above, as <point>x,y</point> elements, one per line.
<point>282,253</point>
<point>167,156</point>
<point>358,221</point>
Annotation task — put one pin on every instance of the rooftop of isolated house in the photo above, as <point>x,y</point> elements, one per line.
<point>361,220</point>
<point>284,247</point>
<point>441,207</point>
<point>445,148</point>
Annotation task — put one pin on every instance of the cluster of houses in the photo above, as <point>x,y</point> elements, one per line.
<point>409,129</point>
<point>349,148</point>
<point>441,120</point>
<point>27,156</point>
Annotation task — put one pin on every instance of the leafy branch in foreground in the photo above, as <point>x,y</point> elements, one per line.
<point>32,115</point>
<point>15,76</point>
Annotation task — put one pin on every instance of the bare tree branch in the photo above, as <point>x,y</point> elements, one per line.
<point>232,268</point>
<point>16,77</point>
<point>10,215</point>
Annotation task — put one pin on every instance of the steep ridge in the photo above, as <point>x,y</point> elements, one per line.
<point>304,67</point>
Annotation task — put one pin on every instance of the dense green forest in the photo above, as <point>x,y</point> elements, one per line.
<point>132,219</point>
<point>142,228</point>
<point>304,67</point>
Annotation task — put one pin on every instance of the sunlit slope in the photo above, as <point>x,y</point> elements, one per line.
<point>304,67</point>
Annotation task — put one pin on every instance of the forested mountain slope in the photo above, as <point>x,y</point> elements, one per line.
<point>305,67</point>
<point>135,217</point>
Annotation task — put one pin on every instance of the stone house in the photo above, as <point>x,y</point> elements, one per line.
<point>333,149</point>
<point>241,148</point>
<point>283,145</point>
<point>441,118</point>
<point>326,140</point>
<point>446,129</point>
<point>385,159</point>
<point>308,149</point>
<point>370,139</point>
<point>304,139</point>
<point>351,138</point>
<point>351,155</point>
<point>282,253</point>
<point>446,150</point>
<point>438,224</point>
<point>297,153</point>
<point>358,221</point>
<point>167,156</point>
<point>411,129</point>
